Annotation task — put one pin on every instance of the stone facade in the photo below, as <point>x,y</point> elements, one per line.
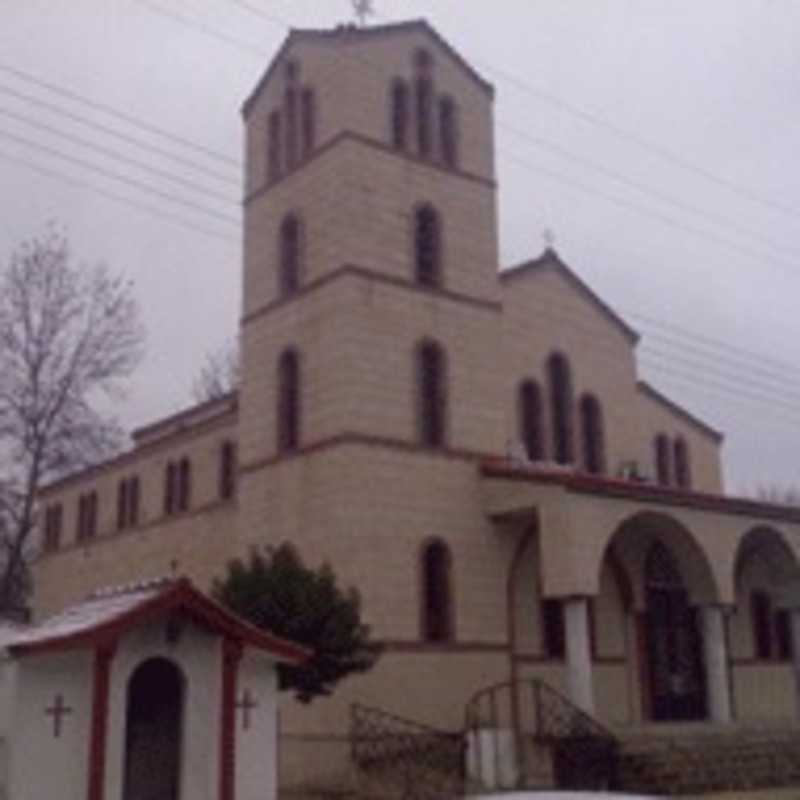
<point>362,491</point>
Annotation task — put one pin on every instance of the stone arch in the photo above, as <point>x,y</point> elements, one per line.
<point>154,721</point>
<point>630,543</point>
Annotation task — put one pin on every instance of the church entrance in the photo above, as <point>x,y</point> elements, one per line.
<point>153,733</point>
<point>677,690</point>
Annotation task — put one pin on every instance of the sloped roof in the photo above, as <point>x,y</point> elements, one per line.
<point>704,427</point>
<point>108,614</point>
<point>354,33</point>
<point>552,261</point>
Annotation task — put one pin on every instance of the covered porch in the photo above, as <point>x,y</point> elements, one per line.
<point>650,607</point>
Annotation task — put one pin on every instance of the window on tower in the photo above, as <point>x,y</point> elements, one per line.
<point>288,433</point>
<point>184,484</point>
<point>424,94</point>
<point>290,109</point>
<point>448,131</point>
<point>558,371</point>
<point>593,435</point>
<point>428,246</point>
<point>227,470</point>
<point>289,256</point>
<point>437,603</point>
<point>399,114</point>
<point>275,146</point>
<point>431,394</point>
<point>309,121</point>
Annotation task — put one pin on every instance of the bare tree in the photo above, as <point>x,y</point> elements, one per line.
<point>68,336</point>
<point>219,374</point>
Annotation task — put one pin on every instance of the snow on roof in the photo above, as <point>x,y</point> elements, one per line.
<point>110,613</point>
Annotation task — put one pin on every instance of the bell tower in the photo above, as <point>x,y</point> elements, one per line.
<point>370,227</point>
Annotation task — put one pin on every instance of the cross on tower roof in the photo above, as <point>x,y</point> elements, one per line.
<point>364,9</point>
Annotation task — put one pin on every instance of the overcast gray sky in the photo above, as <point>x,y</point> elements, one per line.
<point>658,139</point>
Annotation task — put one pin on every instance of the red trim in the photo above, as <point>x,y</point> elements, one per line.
<point>231,656</point>
<point>101,682</point>
<point>643,492</point>
<point>180,596</point>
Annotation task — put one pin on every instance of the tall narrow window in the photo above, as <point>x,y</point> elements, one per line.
<point>170,486</point>
<point>437,603</point>
<point>561,408</point>
<point>593,435</point>
<point>184,484</point>
<point>275,151</point>
<point>530,420</point>
<point>133,500</point>
<point>683,475</point>
<point>291,127</point>
<point>288,402</point>
<point>227,470</point>
<point>431,394</point>
<point>53,520</point>
<point>87,517</point>
<point>663,460</point>
<point>761,613</point>
<point>553,639</point>
<point>309,122</point>
<point>399,115</point>
<point>289,255</point>
<point>428,246</point>
<point>122,504</point>
<point>448,131</point>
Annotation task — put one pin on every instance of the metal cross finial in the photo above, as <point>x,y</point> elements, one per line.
<point>364,10</point>
<point>549,238</point>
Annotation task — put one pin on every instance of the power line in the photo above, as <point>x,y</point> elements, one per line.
<point>118,177</point>
<point>106,109</point>
<point>98,148</point>
<point>84,121</point>
<point>154,211</point>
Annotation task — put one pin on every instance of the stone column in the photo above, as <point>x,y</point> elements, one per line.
<point>715,651</point>
<point>794,621</point>
<point>579,656</point>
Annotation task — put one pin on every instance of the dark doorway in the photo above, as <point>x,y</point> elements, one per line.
<point>677,690</point>
<point>153,733</point>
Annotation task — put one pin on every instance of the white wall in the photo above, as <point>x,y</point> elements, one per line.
<point>256,748</point>
<point>42,766</point>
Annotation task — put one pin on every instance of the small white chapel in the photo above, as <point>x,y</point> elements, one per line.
<point>146,692</point>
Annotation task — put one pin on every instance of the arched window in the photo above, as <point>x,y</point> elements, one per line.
<point>309,121</point>
<point>683,475</point>
<point>663,460</point>
<point>431,394</point>
<point>290,104</point>
<point>530,420</point>
<point>424,86</point>
<point>593,435</point>
<point>275,146</point>
<point>437,601</point>
<point>227,470</point>
<point>184,484</point>
<point>290,255</point>
<point>448,131</point>
<point>399,114</point>
<point>428,246</point>
<point>288,402</point>
<point>561,408</point>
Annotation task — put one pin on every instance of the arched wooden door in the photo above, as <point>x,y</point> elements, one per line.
<point>154,731</point>
<point>677,686</point>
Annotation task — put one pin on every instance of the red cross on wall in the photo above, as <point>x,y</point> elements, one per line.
<point>246,705</point>
<point>58,711</point>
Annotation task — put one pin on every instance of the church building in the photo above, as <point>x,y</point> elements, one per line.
<point>467,443</point>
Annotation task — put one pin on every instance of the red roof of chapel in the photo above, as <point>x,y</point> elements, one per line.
<point>108,614</point>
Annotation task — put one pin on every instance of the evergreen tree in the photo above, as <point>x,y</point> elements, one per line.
<point>280,594</point>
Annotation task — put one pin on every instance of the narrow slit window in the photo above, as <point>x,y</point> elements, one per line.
<point>428,247</point>
<point>431,393</point>
<point>561,408</point>
<point>530,420</point>
<point>593,435</point>
<point>399,114</point>
<point>309,122</point>
<point>288,402</point>
<point>437,611</point>
<point>448,131</point>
